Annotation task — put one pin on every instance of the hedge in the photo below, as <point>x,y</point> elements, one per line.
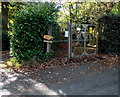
<point>28,29</point>
<point>109,34</point>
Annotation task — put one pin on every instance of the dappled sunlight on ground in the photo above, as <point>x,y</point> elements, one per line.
<point>16,84</point>
<point>86,79</point>
<point>86,75</point>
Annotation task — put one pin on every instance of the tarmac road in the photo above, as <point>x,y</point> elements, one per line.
<point>88,79</point>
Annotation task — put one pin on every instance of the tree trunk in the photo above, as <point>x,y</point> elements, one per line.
<point>5,10</point>
<point>5,38</point>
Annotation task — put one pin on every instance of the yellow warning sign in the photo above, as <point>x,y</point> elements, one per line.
<point>90,30</point>
<point>48,37</point>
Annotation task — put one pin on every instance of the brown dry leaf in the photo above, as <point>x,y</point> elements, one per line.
<point>60,58</point>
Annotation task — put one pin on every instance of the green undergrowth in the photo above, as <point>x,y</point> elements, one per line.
<point>13,62</point>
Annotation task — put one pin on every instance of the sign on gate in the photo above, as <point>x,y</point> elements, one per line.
<point>90,29</point>
<point>66,33</point>
<point>84,42</point>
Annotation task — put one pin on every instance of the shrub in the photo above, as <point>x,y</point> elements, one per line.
<point>109,34</point>
<point>13,63</point>
<point>28,29</point>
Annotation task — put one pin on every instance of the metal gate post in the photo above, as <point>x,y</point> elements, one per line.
<point>69,41</point>
<point>70,34</point>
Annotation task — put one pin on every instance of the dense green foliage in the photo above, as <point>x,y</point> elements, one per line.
<point>116,9</point>
<point>109,34</point>
<point>13,7</point>
<point>29,27</point>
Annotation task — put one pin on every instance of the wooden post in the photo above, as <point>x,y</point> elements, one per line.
<point>49,44</point>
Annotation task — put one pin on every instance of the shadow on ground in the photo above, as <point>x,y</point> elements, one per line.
<point>89,79</point>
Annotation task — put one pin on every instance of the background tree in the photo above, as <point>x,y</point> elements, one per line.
<point>5,11</point>
<point>86,11</point>
<point>8,11</point>
<point>5,38</point>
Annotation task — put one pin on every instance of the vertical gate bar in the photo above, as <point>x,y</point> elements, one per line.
<point>70,35</point>
<point>69,41</point>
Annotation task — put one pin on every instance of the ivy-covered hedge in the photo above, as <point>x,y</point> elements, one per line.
<point>109,34</point>
<point>28,29</point>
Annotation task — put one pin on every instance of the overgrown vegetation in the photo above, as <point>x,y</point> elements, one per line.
<point>30,24</point>
<point>12,62</point>
<point>109,36</point>
<point>26,23</point>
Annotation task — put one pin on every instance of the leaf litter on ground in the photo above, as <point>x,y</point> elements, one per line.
<point>60,58</point>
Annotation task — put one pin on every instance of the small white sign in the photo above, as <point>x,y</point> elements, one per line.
<point>66,33</point>
<point>78,29</point>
